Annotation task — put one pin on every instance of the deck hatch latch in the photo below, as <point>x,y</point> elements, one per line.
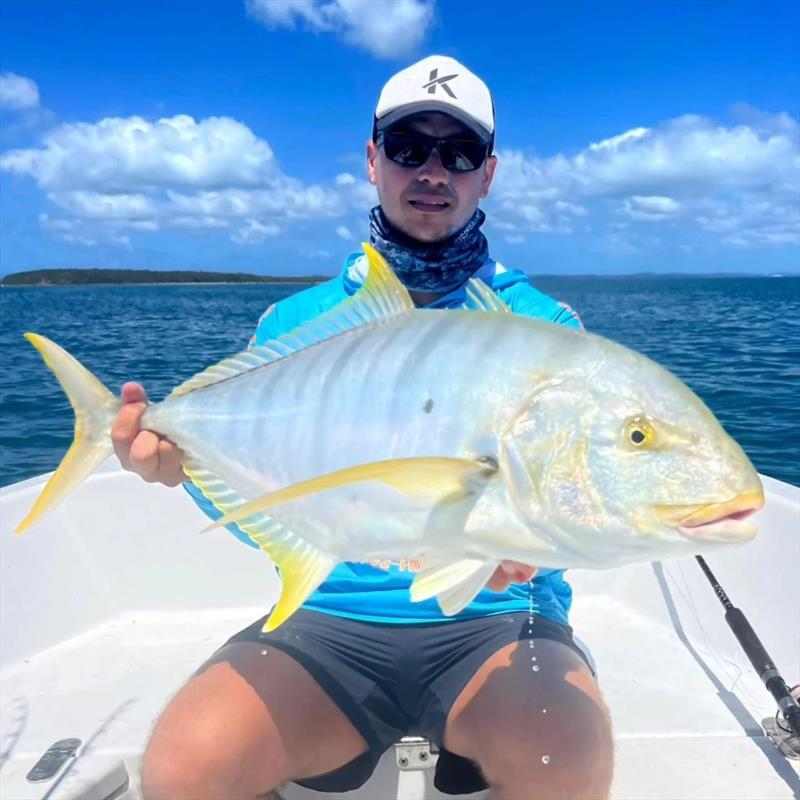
<point>53,759</point>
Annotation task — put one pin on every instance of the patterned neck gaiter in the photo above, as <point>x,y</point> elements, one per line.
<point>436,267</point>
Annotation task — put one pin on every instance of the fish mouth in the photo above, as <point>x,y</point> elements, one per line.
<point>715,522</point>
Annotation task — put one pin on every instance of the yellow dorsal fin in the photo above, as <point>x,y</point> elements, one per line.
<point>381,297</point>
<point>434,479</point>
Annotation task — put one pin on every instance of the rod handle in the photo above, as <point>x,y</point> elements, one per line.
<point>751,644</point>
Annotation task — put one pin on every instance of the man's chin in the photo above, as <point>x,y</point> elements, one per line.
<point>428,229</point>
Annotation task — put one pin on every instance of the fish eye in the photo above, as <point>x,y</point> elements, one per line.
<point>640,433</point>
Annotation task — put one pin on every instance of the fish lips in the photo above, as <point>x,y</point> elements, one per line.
<point>715,522</point>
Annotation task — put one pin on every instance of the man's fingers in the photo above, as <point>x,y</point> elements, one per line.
<point>510,572</point>
<point>169,463</point>
<point>144,455</point>
<point>498,582</point>
<point>125,429</point>
<point>525,574</point>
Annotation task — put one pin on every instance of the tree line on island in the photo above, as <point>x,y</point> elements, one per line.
<point>85,277</point>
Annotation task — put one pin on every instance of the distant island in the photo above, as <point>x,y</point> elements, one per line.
<point>86,277</point>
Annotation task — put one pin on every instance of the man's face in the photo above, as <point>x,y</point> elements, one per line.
<point>428,203</point>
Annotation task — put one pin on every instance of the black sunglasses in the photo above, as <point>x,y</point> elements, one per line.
<point>410,148</point>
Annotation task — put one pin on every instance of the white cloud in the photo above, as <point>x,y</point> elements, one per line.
<point>740,182</point>
<point>344,232</point>
<point>94,205</point>
<point>132,154</point>
<point>386,28</point>
<point>360,194</point>
<point>17,92</point>
<point>254,232</point>
<point>651,208</point>
<point>618,141</point>
<point>133,174</point>
<point>345,179</point>
<point>77,231</point>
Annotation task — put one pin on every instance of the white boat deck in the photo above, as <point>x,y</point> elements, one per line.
<point>110,606</point>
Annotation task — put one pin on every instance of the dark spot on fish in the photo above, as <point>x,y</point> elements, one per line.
<point>428,407</point>
<point>490,462</point>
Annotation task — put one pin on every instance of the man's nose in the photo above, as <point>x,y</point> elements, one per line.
<point>433,170</point>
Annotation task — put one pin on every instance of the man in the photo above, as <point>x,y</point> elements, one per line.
<point>512,703</point>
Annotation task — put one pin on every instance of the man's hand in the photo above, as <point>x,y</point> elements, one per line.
<point>155,459</point>
<point>510,572</point>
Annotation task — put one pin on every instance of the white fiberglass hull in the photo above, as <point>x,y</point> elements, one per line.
<point>110,605</point>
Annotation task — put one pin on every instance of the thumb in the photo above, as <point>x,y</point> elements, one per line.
<point>133,393</point>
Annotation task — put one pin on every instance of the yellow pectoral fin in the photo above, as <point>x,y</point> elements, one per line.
<point>432,479</point>
<point>302,572</point>
<point>453,583</point>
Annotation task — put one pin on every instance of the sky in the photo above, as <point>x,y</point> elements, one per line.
<point>631,136</point>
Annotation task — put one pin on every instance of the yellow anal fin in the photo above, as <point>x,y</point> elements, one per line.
<point>454,584</point>
<point>302,566</point>
<point>433,479</point>
<point>302,571</point>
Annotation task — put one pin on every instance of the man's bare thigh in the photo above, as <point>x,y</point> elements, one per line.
<point>255,707</point>
<point>527,700</point>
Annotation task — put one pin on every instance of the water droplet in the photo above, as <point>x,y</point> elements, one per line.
<point>533,658</point>
<point>545,759</point>
<point>263,652</point>
<point>535,667</point>
<point>544,711</point>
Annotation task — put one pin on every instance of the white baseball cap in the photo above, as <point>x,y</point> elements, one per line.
<point>438,83</point>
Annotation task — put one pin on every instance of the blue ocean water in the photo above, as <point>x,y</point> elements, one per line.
<point>735,341</point>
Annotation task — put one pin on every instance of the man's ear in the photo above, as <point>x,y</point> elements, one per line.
<point>372,158</point>
<point>491,166</point>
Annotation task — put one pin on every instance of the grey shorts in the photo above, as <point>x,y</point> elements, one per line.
<point>399,680</point>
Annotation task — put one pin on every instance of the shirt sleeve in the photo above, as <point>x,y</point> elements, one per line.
<point>531,302</point>
<point>268,327</point>
<point>567,315</point>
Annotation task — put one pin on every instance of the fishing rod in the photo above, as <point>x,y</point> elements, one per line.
<point>758,655</point>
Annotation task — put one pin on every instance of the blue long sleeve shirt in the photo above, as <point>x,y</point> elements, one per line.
<point>378,591</point>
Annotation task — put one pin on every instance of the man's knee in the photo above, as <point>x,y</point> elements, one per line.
<point>197,766</point>
<point>197,756</point>
<point>563,758</point>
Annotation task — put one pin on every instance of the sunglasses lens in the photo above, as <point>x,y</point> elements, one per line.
<point>462,155</point>
<point>412,149</point>
<point>405,149</point>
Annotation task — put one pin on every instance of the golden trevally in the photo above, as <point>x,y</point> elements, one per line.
<point>461,437</point>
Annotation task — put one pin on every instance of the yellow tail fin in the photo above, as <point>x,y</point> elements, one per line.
<point>95,410</point>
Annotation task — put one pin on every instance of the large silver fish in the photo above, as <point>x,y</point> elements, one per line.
<point>461,437</point>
